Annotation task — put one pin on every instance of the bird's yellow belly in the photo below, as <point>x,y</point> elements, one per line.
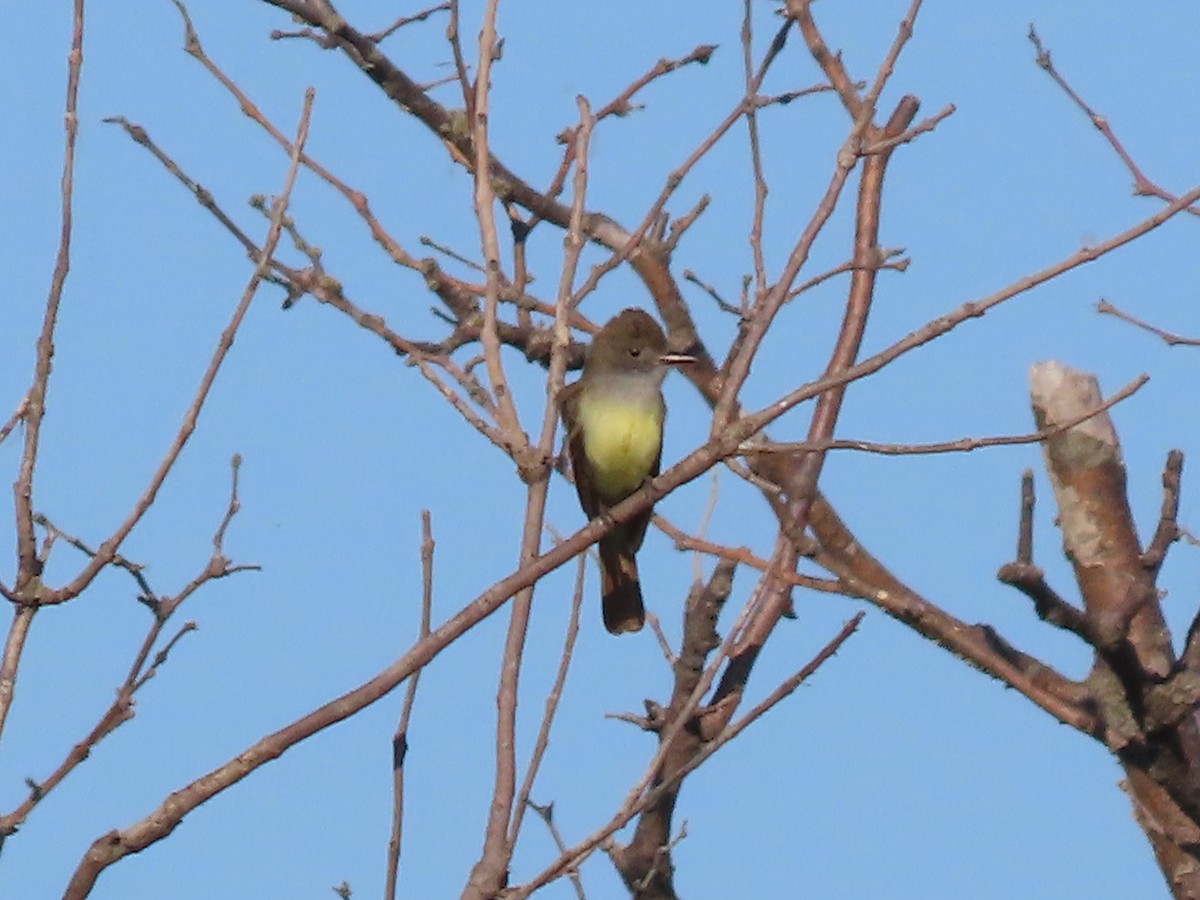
<point>621,442</point>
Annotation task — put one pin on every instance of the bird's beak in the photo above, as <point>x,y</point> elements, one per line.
<point>676,359</point>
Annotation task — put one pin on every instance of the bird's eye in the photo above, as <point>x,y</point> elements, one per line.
<point>635,352</point>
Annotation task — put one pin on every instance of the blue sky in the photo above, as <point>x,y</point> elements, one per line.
<point>897,771</point>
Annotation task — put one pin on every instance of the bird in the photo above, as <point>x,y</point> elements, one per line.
<point>613,416</point>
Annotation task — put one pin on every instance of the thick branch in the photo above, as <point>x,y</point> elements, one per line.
<point>1152,731</point>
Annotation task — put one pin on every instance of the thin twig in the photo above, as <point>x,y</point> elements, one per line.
<point>1142,186</point>
<point>1169,338</point>
<point>546,814</point>
<point>17,416</point>
<point>408,20</point>
<point>485,198</point>
<point>687,542</point>
<point>27,587</point>
<point>400,738</point>
<point>135,570</point>
<point>903,34</point>
<point>460,65</point>
<point>689,275</point>
<point>960,445</point>
<point>926,125</point>
<point>756,166</point>
<point>235,504</point>
<point>664,646</point>
<point>706,517</point>
<point>831,63</point>
<point>885,259</point>
<point>427,241</point>
<point>1166,532</point>
<point>551,705</point>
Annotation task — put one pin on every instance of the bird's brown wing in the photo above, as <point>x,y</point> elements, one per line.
<point>568,399</point>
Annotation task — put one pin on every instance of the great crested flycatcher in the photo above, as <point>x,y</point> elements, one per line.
<point>613,417</point>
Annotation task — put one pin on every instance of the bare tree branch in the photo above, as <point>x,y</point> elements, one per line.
<point>400,738</point>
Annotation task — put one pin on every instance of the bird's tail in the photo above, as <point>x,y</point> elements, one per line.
<point>620,590</point>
